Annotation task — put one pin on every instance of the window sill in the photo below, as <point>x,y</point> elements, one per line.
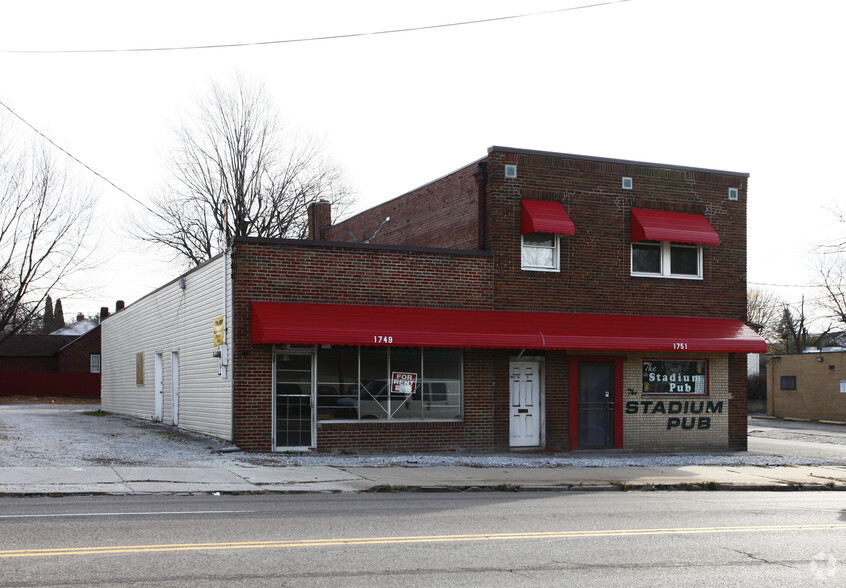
<point>666,277</point>
<point>541,269</point>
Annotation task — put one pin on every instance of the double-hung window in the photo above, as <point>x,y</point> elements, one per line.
<point>667,259</point>
<point>541,252</point>
<point>541,225</point>
<point>669,244</point>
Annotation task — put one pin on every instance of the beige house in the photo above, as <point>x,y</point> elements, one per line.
<point>807,385</point>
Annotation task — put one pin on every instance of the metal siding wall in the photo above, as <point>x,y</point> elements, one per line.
<point>167,320</point>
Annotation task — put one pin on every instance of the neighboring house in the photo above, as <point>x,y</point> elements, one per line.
<point>32,352</point>
<point>527,300</point>
<point>64,363</point>
<point>807,385</point>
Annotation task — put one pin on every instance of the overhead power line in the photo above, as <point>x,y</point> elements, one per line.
<point>784,285</point>
<point>72,156</point>
<point>321,38</point>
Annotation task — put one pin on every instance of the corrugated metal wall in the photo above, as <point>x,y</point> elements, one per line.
<point>166,320</point>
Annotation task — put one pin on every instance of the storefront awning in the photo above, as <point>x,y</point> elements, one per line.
<point>339,324</point>
<point>543,216</point>
<point>681,227</point>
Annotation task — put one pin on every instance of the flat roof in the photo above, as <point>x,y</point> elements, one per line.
<point>611,160</point>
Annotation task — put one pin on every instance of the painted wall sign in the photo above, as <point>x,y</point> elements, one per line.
<point>681,408</point>
<point>403,382</point>
<point>673,376</point>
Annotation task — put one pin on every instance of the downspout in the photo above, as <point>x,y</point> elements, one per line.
<point>227,368</point>
<point>481,177</point>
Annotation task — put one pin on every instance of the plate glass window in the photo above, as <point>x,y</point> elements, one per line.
<point>675,377</point>
<point>540,251</point>
<point>382,383</point>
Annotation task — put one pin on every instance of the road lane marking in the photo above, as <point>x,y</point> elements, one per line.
<point>414,539</point>
<point>123,514</point>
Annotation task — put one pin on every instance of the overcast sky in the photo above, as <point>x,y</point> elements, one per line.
<point>742,85</point>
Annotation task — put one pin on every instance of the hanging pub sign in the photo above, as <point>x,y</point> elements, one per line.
<point>403,383</point>
<point>672,376</point>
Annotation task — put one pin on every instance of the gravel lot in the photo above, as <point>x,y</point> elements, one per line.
<point>76,435</point>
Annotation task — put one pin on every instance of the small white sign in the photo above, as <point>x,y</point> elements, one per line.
<point>843,386</point>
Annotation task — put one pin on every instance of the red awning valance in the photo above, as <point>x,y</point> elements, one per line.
<point>339,324</point>
<point>681,227</point>
<point>543,216</point>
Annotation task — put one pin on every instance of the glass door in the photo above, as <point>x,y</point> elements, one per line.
<point>293,400</point>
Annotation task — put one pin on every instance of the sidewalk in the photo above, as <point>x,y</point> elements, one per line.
<point>120,480</point>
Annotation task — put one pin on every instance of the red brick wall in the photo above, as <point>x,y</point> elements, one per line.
<point>358,274</point>
<point>557,400</point>
<point>444,213</point>
<point>594,277</point>
<point>738,402</point>
<point>595,261</point>
<point>76,356</point>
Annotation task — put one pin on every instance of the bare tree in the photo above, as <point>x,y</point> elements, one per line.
<point>764,312</point>
<point>236,173</point>
<point>43,224</point>
<point>793,331</point>
<point>832,274</point>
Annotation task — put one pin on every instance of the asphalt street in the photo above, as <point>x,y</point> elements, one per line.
<point>411,539</point>
<point>795,438</point>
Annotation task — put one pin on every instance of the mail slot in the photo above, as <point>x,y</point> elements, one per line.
<point>522,410</point>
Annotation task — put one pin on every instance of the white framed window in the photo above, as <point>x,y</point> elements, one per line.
<point>94,363</point>
<point>540,252</point>
<point>667,260</point>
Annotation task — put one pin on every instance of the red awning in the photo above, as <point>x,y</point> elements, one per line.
<point>339,324</point>
<point>543,216</point>
<point>663,225</point>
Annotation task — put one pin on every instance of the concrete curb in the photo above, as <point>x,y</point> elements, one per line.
<point>71,490</point>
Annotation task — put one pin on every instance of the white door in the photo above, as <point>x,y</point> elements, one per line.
<point>174,386</point>
<point>159,384</point>
<point>525,404</point>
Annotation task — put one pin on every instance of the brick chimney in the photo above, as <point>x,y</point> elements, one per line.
<point>104,312</point>
<point>80,317</point>
<point>319,219</point>
<point>119,305</point>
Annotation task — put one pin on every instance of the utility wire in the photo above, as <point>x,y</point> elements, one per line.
<point>784,285</point>
<point>322,38</point>
<point>76,159</point>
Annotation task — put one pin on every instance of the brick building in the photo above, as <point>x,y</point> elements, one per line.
<point>807,385</point>
<point>528,299</point>
<point>63,363</point>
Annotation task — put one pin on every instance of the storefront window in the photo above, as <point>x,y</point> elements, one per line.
<point>399,383</point>
<point>681,377</point>
<point>337,387</point>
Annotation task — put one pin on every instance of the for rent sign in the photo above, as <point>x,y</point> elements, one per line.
<point>403,382</point>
